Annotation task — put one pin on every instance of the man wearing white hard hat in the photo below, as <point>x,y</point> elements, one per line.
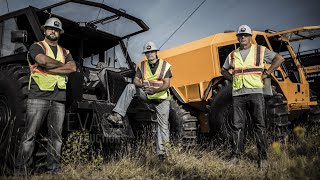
<point>151,83</point>
<point>247,63</point>
<point>49,64</point>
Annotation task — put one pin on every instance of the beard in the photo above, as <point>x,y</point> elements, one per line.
<point>52,38</point>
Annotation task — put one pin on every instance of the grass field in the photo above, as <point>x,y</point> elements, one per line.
<point>295,160</point>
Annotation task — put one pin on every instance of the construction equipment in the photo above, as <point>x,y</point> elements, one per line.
<point>310,59</point>
<point>97,44</point>
<point>199,87</point>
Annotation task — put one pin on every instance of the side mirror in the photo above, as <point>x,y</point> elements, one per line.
<point>19,36</point>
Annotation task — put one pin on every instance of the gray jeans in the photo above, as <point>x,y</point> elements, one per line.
<point>162,111</point>
<point>37,110</point>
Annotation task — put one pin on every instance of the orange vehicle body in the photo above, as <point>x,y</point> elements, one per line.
<point>196,71</point>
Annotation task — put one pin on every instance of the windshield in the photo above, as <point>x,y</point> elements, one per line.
<point>113,57</point>
<point>290,68</point>
<point>98,34</point>
<point>104,18</point>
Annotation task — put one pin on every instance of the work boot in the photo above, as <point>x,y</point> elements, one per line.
<point>263,164</point>
<point>162,157</point>
<point>54,171</point>
<point>234,161</point>
<point>22,171</point>
<point>115,118</point>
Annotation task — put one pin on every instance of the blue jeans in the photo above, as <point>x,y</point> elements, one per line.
<point>37,110</point>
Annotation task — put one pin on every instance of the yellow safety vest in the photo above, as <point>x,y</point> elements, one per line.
<point>247,73</point>
<point>154,80</point>
<point>45,81</point>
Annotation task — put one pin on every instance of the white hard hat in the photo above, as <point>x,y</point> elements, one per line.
<point>244,29</point>
<point>150,46</point>
<point>53,22</point>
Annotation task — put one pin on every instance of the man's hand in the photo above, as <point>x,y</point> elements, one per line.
<point>137,82</point>
<point>225,73</point>
<point>276,62</point>
<point>263,76</point>
<point>67,68</point>
<point>143,87</point>
<point>150,90</point>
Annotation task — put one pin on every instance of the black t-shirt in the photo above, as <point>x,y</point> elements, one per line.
<point>35,92</point>
<point>153,68</point>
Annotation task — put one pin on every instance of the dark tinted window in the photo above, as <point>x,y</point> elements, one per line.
<point>277,45</point>
<point>261,40</point>
<point>224,51</point>
<point>310,57</point>
<point>278,75</point>
<point>13,24</point>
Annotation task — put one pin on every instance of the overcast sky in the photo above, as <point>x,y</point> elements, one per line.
<point>214,16</point>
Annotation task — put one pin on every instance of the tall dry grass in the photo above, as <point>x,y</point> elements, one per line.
<point>298,159</point>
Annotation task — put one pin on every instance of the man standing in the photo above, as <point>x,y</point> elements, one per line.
<point>151,82</point>
<point>47,95</point>
<point>247,63</point>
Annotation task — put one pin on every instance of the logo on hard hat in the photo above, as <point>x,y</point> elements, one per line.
<point>148,47</point>
<point>243,29</point>
<point>57,23</point>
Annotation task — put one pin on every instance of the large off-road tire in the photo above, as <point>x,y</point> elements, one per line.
<point>313,115</point>
<point>313,120</point>
<point>221,114</point>
<point>13,96</point>
<point>276,116</point>
<point>183,126</point>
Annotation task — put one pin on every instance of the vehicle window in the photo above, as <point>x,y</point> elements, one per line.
<point>113,58</point>
<point>290,66</point>
<point>261,40</point>
<point>6,27</point>
<point>99,18</point>
<point>6,46</point>
<point>310,57</point>
<point>278,75</point>
<point>277,45</point>
<point>223,52</point>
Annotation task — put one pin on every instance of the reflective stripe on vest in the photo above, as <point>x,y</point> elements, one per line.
<point>155,80</point>
<point>248,73</point>
<point>45,81</point>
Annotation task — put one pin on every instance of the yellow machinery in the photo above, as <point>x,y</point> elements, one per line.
<point>198,85</point>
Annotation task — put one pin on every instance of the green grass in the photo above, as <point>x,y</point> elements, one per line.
<point>295,160</point>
